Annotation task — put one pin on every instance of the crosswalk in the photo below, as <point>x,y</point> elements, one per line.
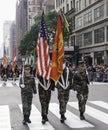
<point>72,121</point>
<point>9,84</point>
<point>99,115</point>
<point>4,118</point>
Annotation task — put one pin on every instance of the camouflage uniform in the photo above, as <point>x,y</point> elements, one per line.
<point>63,95</point>
<point>80,84</point>
<point>44,97</point>
<point>27,95</point>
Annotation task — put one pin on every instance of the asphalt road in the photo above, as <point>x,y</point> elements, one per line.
<point>96,110</point>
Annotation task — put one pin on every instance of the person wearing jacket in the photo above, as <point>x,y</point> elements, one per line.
<point>28,88</point>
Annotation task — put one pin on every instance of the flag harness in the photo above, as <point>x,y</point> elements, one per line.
<point>45,85</point>
<point>62,83</point>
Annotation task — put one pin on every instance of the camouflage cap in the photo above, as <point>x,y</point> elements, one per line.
<point>27,66</point>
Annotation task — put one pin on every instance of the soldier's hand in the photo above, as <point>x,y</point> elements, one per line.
<point>22,86</point>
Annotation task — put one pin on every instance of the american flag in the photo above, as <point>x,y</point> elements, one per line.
<point>43,57</point>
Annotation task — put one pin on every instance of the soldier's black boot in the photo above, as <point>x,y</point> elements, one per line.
<point>46,118</point>
<point>28,119</point>
<point>25,120</point>
<point>63,118</point>
<point>43,119</point>
<point>82,116</point>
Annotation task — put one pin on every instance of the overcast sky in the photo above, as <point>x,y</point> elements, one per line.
<point>7,12</point>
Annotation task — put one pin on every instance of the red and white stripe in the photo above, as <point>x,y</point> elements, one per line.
<point>43,60</point>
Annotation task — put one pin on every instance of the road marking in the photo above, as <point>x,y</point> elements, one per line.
<point>72,121</point>
<point>9,84</point>
<point>36,120</point>
<point>97,114</point>
<point>100,103</point>
<point>4,118</point>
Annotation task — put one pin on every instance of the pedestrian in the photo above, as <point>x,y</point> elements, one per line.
<point>63,88</point>
<point>80,85</point>
<point>4,73</point>
<point>44,89</point>
<point>28,88</point>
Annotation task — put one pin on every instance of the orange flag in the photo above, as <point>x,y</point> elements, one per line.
<point>5,61</point>
<point>58,53</point>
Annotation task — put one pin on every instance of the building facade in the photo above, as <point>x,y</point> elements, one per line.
<point>21,22</point>
<point>34,9</point>
<point>48,5</point>
<point>12,40</point>
<point>91,28</point>
<point>6,37</point>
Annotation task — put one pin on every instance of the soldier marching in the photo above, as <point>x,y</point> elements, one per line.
<point>28,88</point>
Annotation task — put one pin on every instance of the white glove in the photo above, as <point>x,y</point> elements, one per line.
<point>22,86</point>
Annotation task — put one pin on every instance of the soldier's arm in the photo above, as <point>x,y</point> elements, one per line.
<point>34,86</point>
<point>20,82</point>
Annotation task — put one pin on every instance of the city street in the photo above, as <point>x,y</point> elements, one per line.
<point>96,112</point>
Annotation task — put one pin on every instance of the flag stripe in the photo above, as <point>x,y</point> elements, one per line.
<point>43,59</point>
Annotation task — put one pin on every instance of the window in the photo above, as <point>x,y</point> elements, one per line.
<point>99,12</point>
<point>107,33</point>
<point>72,40</point>
<point>88,38</point>
<point>85,3</point>
<point>79,40</point>
<point>33,9</point>
<point>99,35</point>
<point>67,7</point>
<point>107,8</point>
<point>79,22</point>
<point>89,1</point>
<point>88,18</point>
<point>63,10</point>
<point>57,3</point>
<point>71,5</point>
<point>79,4</point>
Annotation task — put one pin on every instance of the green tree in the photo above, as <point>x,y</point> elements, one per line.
<point>28,43</point>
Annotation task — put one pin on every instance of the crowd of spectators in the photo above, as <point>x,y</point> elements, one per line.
<point>98,73</point>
